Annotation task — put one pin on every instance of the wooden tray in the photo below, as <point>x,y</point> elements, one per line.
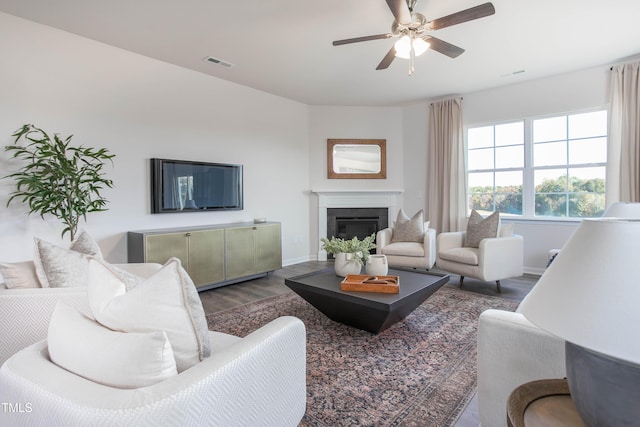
<point>370,283</point>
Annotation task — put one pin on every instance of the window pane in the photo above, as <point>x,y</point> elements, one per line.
<point>510,157</point>
<point>480,137</point>
<point>508,197</point>
<point>510,204</point>
<point>590,180</point>
<point>510,134</point>
<point>509,182</point>
<point>481,202</point>
<point>588,124</point>
<point>586,205</point>
<point>582,151</point>
<point>551,205</point>
<point>552,129</point>
<point>550,180</point>
<point>550,154</point>
<point>480,159</point>
<point>480,182</point>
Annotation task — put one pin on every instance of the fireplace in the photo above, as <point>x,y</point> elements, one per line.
<point>347,223</point>
<point>367,211</point>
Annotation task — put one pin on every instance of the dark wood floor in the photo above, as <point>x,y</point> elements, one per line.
<point>218,299</point>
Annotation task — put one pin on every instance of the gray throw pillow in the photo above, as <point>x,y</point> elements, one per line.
<point>408,229</point>
<point>479,228</point>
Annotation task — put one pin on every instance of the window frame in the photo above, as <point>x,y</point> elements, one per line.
<point>528,170</point>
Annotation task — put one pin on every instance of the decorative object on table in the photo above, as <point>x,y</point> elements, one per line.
<point>377,265</point>
<point>350,255</point>
<point>370,283</point>
<point>58,179</point>
<point>589,297</point>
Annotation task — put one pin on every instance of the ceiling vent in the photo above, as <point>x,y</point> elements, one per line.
<point>219,62</point>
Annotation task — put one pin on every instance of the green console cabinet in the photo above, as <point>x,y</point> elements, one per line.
<point>215,255</point>
<point>252,250</point>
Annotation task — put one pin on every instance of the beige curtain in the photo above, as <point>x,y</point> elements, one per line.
<point>447,179</point>
<point>623,157</point>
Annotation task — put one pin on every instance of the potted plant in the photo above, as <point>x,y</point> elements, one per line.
<point>350,255</point>
<point>56,178</point>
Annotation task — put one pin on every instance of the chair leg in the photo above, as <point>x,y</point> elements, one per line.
<point>460,283</point>
<point>498,286</point>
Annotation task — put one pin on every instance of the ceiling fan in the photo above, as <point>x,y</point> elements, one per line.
<point>411,27</point>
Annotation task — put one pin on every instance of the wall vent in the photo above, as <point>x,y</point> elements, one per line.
<point>219,62</point>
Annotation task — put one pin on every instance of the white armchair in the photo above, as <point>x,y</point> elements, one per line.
<point>258,380</point>
<point>511,352</point>
<point>408,254</point>
<point>495,259</point>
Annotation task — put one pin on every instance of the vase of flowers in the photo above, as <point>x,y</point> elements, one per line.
<point>350,255</point>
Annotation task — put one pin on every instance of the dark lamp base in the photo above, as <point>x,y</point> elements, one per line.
<point>606,391</point>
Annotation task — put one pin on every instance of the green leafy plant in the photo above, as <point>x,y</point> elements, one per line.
<point>359,248</point>
<point>57,178</point>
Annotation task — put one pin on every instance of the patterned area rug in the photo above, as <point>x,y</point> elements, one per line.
<point>419,372</point>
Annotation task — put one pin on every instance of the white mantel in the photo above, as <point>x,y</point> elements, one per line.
<point>352,199</point>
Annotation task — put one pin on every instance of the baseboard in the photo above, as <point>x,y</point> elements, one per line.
<point>536,271</point>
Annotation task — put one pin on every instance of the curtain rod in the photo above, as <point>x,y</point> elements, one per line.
<point>628,61</point>
<point>461,98</point>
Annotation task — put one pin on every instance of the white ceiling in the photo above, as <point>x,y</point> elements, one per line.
<point>284,47</point>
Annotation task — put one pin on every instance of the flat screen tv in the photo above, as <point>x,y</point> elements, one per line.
<point>186,186</point>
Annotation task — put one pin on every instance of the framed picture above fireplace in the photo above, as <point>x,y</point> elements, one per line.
<point>357,158</point>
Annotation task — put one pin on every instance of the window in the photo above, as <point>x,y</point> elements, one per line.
<point>539,167</point>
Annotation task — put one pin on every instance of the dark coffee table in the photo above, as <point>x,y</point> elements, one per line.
<point>370,311</point>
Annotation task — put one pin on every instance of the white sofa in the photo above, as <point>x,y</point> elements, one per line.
<point>511,352</point>
<point>258,380</point>
<point>25,313</point>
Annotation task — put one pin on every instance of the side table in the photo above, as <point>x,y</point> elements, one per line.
<point>542,403</point>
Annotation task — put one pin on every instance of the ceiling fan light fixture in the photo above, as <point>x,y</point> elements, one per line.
<point>403,46</point>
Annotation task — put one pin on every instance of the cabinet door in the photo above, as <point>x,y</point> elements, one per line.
<point>160,247</point>
<point>268,248</point>
<point>206,256</point>
<point>240,252</point>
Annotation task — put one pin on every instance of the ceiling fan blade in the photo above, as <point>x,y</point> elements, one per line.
<point>470,14</point>
<point>445,48</point>
<point>387,60</point>
<point>400,11</point>
<point>361,39</point>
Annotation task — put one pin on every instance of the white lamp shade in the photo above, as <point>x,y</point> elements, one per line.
<point>623,210</point>
<point>403,46</point>
<point>590,294</point>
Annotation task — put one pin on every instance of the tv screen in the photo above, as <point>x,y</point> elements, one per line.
<point>186,186</point>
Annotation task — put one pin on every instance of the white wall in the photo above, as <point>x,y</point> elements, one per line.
<point>559,94</point>
<point>140,108</point>
<point>326,122</point>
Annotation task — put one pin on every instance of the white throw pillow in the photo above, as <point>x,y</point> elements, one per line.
<point>57,267</point>
<point>85,244</point>
<point>166,301</point>
<point>116,359</point>
<point>19,274</point>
